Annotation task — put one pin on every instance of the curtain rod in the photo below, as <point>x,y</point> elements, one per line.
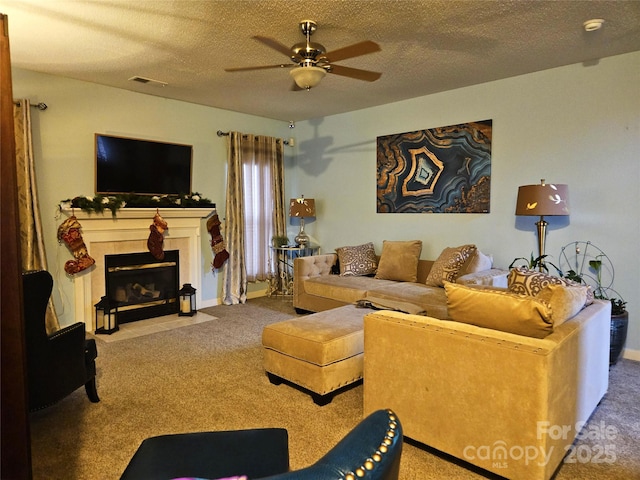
<point>40,106</point>
<point>220,133</point>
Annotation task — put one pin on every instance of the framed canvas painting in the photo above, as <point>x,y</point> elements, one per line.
<point>438,170</point>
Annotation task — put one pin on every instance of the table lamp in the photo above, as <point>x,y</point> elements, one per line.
<point>302,208</point>
<point>545,199</point>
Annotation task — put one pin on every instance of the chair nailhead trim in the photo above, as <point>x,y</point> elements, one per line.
<point>370,463</point>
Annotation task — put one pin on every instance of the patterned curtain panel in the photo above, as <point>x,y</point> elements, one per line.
<point>279,210</point>
<point>254,211</point>
<point>279,206</point>
<point>31,237</point>
<point>234,274</point>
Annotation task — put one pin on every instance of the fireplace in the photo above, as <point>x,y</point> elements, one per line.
<point>128,233</point>
<point>142,286</point>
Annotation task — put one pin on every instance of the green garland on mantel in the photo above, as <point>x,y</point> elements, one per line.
<point>100,203</point>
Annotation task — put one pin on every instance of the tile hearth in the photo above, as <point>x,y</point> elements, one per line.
<point>152,325</point>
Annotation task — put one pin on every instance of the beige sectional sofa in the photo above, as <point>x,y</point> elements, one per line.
<point>499,369</point>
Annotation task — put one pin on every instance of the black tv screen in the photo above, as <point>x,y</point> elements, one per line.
<point>143,167</point>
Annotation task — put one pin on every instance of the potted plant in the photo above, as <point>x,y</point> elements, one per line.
<point>588,264</point>
<point>279,241</point>
<point>619,314</point>
<point>537,263</point>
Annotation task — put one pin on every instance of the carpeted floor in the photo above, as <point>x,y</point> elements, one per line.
<point>209,376</point>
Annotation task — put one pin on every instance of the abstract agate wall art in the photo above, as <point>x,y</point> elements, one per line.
<point>439,170</point>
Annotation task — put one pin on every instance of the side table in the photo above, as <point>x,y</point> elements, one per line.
<point>282,282</point>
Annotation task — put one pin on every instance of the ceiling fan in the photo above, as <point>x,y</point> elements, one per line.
<point>313,62</point>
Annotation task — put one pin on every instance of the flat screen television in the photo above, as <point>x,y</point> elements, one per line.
<point>143,167</point>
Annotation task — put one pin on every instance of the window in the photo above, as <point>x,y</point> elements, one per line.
<point>254,211</point>
<point>258,216</point>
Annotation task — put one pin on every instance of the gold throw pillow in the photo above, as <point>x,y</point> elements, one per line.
<point>399,260</point>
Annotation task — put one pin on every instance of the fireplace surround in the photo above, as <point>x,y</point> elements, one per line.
<point>104,234</point>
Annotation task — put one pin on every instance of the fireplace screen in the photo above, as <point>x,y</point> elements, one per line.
<point>142,286</point>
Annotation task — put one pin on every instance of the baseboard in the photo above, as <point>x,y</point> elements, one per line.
<point>256,294</point>
<point>210,303</point>
<point>631,354</point>
<point>218,301</point>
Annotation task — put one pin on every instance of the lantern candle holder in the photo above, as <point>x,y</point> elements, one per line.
<point>106,317</point>
<point>187,299</point>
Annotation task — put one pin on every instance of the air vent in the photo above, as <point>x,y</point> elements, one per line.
<point>151,81</point>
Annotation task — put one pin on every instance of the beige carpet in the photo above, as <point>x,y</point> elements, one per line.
<point>209,376</point>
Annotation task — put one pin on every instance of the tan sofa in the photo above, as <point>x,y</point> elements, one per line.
<point>316,289</point>
<point>507,403</point>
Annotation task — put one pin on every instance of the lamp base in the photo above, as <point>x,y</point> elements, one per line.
<point>542,232</point>
<point>302,239</point>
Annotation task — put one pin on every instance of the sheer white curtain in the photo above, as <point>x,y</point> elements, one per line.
<point>254,211</point>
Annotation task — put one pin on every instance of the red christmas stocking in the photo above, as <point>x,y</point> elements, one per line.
<point>69,232</point>
<point>156,237</point>
<point>217,242</point>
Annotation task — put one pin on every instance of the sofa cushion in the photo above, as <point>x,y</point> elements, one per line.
<point>499,310</point>
<point>432,300</point>
<point>448,265</point>
<point>531,282</point>
<point>399,260</point>
<point>565,301</point>
<point>347,289</point>
<point>357,260</point>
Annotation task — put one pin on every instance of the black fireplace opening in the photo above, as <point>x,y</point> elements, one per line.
<point>141,285</point>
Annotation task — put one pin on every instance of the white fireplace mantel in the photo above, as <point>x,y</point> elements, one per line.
<point>146,213</point>
<point>127,232</point>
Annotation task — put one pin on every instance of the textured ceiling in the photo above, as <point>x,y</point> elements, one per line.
<point>427,46</point>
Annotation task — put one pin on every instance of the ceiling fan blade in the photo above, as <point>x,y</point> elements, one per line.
<point>351,51</point>
<point>264,67</point>
<point>366,75</point>
<point>276,45</point>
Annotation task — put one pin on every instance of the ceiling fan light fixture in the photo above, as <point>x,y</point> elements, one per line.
<point>308,76</point>
<point>593,24</point>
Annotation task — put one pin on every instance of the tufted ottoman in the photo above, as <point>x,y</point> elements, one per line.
<point>321,352</point>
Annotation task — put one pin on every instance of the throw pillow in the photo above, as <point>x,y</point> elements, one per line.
<point>357,260</point>
<point>565,301</point>
<point>448,265</point>
<point>531,282</point>
<point>399,260</point>
<point>499,310</point>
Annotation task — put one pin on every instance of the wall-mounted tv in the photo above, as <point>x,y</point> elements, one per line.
<point>144,167</point>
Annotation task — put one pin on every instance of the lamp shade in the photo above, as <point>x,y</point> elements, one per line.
<point>543,199</point>
<point>302,207</point>
<point>307,76</point>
